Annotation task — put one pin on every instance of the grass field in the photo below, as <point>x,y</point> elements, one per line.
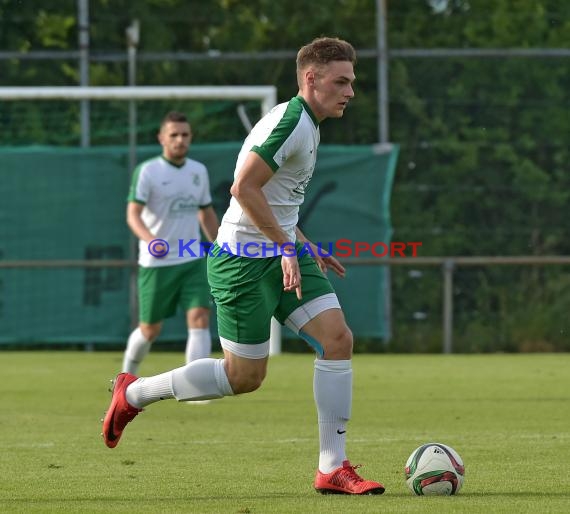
<point>507,415</point>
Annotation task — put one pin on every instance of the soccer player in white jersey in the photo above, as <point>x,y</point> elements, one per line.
<point>168,202</point>
<point>257,270</point>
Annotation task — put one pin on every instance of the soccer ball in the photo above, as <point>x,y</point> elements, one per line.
<point>434,468</point>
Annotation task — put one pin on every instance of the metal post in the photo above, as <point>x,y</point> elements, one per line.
<point>382,60</point>
<point>83,19</point>
<point>383,135</point>
<point>448,267</point>
<point>132,43</point>
<point>133,33</point>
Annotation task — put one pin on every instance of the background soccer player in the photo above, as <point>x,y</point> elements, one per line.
<point>170,199</point>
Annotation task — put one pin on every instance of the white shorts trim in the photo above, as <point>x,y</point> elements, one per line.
<point>248,351</point>
<point>302,315</point>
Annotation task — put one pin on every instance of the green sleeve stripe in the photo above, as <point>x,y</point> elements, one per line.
<point>280,133</point>
<point>264,154</point>
<point>134,181</point>
<point>205,206</point>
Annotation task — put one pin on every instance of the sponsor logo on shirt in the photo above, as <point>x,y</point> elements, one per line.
<point>182,206</point>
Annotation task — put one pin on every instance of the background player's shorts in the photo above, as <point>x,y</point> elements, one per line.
<point>162,289</point>
<point>248,292</point>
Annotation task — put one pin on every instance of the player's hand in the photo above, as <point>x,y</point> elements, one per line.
<point>291,274</point>
<point>324,262</point>
<point>332,263</point>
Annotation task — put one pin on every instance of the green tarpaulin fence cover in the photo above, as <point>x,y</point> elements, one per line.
<point>69,203</point>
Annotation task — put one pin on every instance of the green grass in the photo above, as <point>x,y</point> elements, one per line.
<point>507,415</point>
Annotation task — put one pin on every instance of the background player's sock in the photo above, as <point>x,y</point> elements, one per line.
<point>198,344</point>
<point>137,349</point>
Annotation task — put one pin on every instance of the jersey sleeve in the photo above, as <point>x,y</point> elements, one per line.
<point>283,139</point>
<point>206,198</point>
<point>140,186</point>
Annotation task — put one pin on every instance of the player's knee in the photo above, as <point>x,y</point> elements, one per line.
<point>150,331</point>
<point>340,344</point>
<point>246,382</point>
<point>345,339</point>
<point>199,317</point>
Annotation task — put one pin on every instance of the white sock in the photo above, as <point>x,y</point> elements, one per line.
<point>137,349</point>
<point>203,379</point>
<point>332,387</point>
<point>198,344</point>
<point>145,391</point>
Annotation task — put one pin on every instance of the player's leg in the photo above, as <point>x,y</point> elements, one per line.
<point>200,380</point>
<point>244,318</point>
<point>319,320</point>
<point>332,383</point>
<point>246,292</point>
<point>320,323</point>
<point>158,295</point>
<point>199,342</point>
<point>203,379</point>
<point>138,345</point>
<point>195,300</point>
<point>328,333</point>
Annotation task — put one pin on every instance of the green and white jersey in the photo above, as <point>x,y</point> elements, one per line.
<point>286,138</point>
<point>171,196</point>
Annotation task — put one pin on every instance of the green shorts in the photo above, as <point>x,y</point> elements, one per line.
<point>162,289</point>
<point>248,292</point>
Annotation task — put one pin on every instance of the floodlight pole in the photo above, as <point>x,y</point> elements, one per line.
<point>133,35</point>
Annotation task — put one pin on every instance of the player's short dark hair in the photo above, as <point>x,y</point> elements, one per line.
<point>174,116</point>
<point>323,50</point>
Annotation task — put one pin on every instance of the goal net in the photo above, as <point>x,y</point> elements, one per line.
<point>62,115</point>
<point>65,260</point>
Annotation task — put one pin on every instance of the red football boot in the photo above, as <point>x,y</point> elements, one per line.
<point>345,480</point>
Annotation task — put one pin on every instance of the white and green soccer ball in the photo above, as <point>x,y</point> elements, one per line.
<point>435,469</point>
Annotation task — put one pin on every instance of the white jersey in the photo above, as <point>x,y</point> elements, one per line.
<point>171,196</point>
<point>286,138</point>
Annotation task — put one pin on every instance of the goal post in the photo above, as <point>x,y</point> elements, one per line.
<point>266,95</point>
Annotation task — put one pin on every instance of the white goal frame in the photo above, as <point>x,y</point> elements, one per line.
<point>267,95</point>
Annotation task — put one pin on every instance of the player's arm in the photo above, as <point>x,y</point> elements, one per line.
<point>246,189</point>
<point>209,222</point>
<point>135,222</point>
<point>323,261</point>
